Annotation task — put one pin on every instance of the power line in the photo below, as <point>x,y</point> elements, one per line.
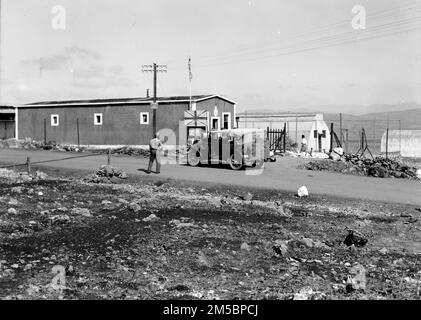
<point>330,28</point>
<point>247,55</point>
<point>326,42</point>
<point>340,36</point>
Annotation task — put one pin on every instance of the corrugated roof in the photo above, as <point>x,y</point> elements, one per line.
<point>172,99</point>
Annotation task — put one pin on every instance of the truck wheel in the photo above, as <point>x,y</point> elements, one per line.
<point>193,158</point>
<point>234,163</point>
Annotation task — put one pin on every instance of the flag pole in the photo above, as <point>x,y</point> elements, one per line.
<point>190,78</point>
<point>190,95</point>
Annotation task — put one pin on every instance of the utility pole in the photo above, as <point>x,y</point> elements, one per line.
<point>340,126</point>
<point>1,49</point>
<point>155,68</point>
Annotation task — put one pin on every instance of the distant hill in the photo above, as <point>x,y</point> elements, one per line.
<point>350,109</point>
<point>409,119</point>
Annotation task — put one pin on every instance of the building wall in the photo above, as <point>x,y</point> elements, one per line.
<point>121,123</point>
<point>222,106</point>
<point>406,142</point>
<point>318,126</point>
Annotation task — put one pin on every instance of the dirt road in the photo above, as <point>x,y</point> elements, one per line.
<point>281,175</point>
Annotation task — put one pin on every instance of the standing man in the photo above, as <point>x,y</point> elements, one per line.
<point>303,144</point>
<point>154,145</point>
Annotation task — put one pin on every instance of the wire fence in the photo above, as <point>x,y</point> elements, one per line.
<point>349,134</point>
<point>29,163</point>
<point>347,128</point>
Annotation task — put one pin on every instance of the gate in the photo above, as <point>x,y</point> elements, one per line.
<point>7,129</point>
<point>277,139</point>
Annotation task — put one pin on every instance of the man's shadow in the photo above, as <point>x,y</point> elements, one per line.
<point>143,170</point>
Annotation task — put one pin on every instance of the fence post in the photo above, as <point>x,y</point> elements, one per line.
<point>340,127</point>
<point>347,142</point>
<point>331,137</point>
<point>285,138</point>
<point>28,164</point>
<point>109,157</point>
<point>78,135</point>
<point>45,131</point>
<point>387,141</point>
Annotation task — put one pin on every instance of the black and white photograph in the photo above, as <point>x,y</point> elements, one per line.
<point>210,155</point>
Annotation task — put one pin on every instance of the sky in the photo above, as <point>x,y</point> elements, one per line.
<point>264,54</point>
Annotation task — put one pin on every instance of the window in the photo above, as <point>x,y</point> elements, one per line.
<point>54,120</point>
<point>215,123</point>
<point>323,133</point>
<point>98,119</point>
<point>315,133</point>
<point>144,118</point>
<point>226,120</point>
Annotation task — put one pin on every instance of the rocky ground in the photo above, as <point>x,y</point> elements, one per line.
<point>159,239</point>
<point>379,167</point>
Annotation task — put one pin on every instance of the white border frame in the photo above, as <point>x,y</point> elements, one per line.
<point>102,118</point>
<point>141,118</point>
<point>229,120</point>
<point>219,124</point>
<point>52,122</point>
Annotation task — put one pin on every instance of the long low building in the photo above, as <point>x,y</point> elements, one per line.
<point>312,126</point>
<point>122,122</point>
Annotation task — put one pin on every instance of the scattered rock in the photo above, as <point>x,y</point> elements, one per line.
<point>245,246</point>
<point>13,202</point>
<point>179,287</point>
<point>106,202</point>
<point>12,211</point>
<point>307,293</point>
<point>378,167</point>
<point>150,218</point>
<point>60,219</point>
<point>84,212</point>
<point>246,197</point>
<point>41,175</point>
<point>356,280</point>
<point>383,251</point>
<point>356,239</point>
<point>302,192</point>
<point>280,247</point>
<point>310,243</point>
<point>202,260</point>
<point>180,224</point>
<point>17,189</point>
<point>134,207</point>
<point>106,174</point>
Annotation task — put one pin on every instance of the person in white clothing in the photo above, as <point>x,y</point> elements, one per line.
<point>303,144</point>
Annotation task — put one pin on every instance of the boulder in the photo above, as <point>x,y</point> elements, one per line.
<point>302,192</point>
